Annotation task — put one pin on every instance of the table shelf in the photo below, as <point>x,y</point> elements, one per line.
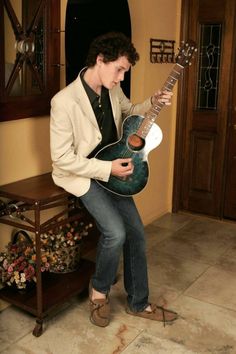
<point>57,288</point>
<point>52,289</point>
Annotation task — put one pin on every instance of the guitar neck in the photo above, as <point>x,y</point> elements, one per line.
<point>153,112</point>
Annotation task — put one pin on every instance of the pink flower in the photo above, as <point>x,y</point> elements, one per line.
<point>31,269</point>
<point>10,269</point>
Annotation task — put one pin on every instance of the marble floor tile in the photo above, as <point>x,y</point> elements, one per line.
<point>145,343</point>
<point>3,305</point>
<point>228,260</point>
<point>215,286</point>
<point>173,271</point>
<point>173,222</point>
<point>198,247</point>
<point>201,327</point>
<point>156,234</point>
<point>14,324</point>
<point>191,266</point>
<point>72,333</point>
<point>210,227</point>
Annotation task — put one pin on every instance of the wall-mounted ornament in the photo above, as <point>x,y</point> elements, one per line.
<point>162,51</point>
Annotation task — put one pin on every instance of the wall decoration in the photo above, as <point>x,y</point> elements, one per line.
<point>162,51</point>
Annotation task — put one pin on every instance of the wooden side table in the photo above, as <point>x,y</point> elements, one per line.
<point>40,194</point>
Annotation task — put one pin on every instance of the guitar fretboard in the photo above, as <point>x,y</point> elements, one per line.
<point>153,112</point>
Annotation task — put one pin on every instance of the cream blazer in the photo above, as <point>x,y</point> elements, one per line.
<point>74,134</point>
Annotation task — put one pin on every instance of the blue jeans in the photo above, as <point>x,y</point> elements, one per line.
<point>121,228</point>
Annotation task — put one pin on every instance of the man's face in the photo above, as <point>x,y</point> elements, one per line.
<point>113,72</point>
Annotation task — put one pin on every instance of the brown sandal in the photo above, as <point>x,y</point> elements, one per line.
<point>158,313</point>
<point>99,310</point>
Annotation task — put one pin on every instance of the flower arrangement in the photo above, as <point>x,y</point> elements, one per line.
<point>18,264</point>
<point>62,246</point>
<point>60,252</point>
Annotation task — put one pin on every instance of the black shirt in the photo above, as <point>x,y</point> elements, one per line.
<point>102,109</point>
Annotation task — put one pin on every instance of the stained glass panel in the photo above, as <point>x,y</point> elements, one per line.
<point>209,66</point>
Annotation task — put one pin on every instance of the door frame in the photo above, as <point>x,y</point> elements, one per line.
<point>181,118</point>
<point>231,111</point>
<point>181,109</point>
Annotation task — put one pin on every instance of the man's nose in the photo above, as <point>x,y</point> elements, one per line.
<point>121,77</point>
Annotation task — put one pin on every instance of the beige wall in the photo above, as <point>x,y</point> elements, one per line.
<point>155,19</point>
<point>24,143</point>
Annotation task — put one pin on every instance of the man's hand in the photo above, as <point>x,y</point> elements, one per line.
<point>162,97</point>
<point>122,167</point>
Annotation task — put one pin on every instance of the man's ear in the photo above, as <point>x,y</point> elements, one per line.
<point>100,58</point>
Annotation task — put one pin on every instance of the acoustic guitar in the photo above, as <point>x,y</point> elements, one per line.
<point>140,135</point>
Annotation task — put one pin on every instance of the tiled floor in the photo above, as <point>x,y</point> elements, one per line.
<point>192,263</point>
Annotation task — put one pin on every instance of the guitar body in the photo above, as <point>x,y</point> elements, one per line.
<point>125,148</point>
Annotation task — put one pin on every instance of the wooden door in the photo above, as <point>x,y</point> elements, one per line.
<point>204,101</point>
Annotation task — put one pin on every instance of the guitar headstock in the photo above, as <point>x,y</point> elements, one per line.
<point>186,52</point>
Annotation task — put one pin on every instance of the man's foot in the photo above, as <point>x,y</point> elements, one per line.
<point>99,305</point>
<point>156,313</point>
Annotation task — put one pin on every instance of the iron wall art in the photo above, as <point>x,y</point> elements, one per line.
<point>162,51</point>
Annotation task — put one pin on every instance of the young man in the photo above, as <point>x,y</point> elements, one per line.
<point>86,116</point>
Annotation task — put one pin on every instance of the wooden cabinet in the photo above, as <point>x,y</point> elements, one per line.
<point>29,57</point>
<point>39,195</point>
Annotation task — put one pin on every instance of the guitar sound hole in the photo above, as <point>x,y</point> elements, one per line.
<point>135,142</point>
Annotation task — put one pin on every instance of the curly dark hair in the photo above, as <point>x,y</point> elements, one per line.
<point>112,45</point>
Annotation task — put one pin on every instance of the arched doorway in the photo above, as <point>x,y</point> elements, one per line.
<point>87,19</point>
